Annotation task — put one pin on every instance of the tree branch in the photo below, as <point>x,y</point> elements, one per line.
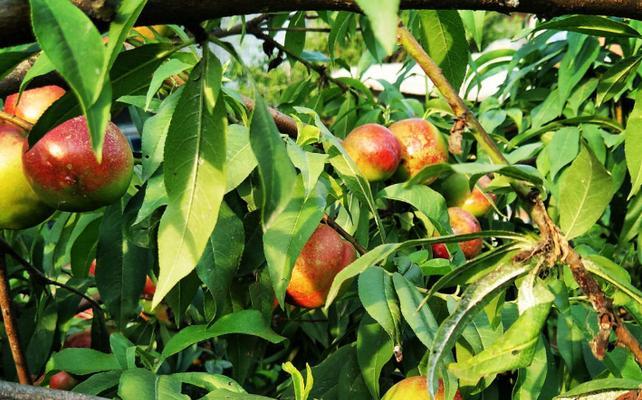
<point>14,391</point>
<point>10,326</point>
<point>553,245</point>
<point>16,29</point>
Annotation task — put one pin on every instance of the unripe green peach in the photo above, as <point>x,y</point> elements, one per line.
<point>421,145</point>
<point>375,151</point>
<point>323,256</point>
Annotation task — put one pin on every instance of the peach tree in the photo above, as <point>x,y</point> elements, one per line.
<point>494,254</point>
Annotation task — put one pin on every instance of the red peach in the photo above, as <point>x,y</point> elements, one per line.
<point>415,388</point>
<point>421,145</point>
<point>20,206</point>
<point>33,102</point>
<point>461,222</point>
<point>62,381</point>
<point>323,256</point>
<point>375,151</point>
<point>65,173</point>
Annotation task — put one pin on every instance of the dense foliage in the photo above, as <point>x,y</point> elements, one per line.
<point>221,205</point>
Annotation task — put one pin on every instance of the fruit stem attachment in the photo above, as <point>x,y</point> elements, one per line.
<point>17,121</point>
<point>553,246</point>
<point>333,224</point>
<point>10,326</point>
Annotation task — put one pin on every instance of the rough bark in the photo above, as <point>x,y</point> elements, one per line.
<point>14,391</point>
<point>14,14</point>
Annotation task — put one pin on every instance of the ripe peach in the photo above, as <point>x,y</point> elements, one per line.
<point>415,388</point>
<point>62,381</point>
<point>33,102</point>
<point>63,170</point>
<point>79,340</point>
<point>375,151</point>
<point>461,222</point>
<point>478,202</point>
<point>20,206</point>
<point>322,257</point>
<point>421,145</point>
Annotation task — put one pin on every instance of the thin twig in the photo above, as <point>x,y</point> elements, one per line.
<point>553,245</point>
<point>333,224</point>
<point>10,326</point>
<point>17,121</point>
<point>35,272</point>
<point>319,69</point>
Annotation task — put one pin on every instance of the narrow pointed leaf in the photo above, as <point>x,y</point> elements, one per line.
<point>246,322</point>
<point>374,350</point>
<point>383,17</point>
<point>633,145</point>
<point>474,297</point>
<point>194,175</point>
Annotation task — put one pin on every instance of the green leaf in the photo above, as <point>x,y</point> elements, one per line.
<point>346,168</point>
<point>430,203</point>
<point>384,20</point>
<point>141,384</point>
<point>310,164</point>
<point>295,37</point>
<point>585,192</point>
<point>276,172</point>
<point>383,251</point>
<point>286,234</point>
<point>616,78</point>
<point>130,73</point>
<point>474,23</point>
<point>221,259</point>
<point>582,52</point>
<point>377,294</point>
<point>42,66</point>
<point>155,133</point>
<point>374,349</point>
<point>563,148</point>
<point>547,111</point>
<point>240,160</point>
<point>474,297</point>
<point>98,383</point>
<point>246,322</point>
<point>421,320</point>
<point>633,145</point>
<point>83,251</point>
<point>613,274</point>
<point>74,46</point>
<point>516,347</point>
<point>121,267</point>
<point>220,394</point>
<point>605,386</point>
<point>476,170</point>
<point>445,39</point>
<point>530,380</point>
<point>194,175</point>
<point>155,197</point>
<point>81,361</point>
<point>301,388</point>
<point>591,25</point>
<point>126,15</point>
<point>209,381</point>
<point>169,68</point>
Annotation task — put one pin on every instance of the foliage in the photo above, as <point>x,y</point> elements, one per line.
<point>222,204</point>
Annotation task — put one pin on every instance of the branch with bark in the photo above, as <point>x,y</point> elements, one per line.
<point>14,391</point>
<point>553,245</point>
<point>16,27</point>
